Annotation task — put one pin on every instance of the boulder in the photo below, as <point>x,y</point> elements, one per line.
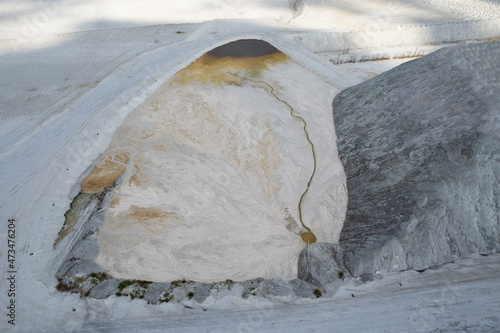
<point>252,287</point>
<point>279,288</point>
<point>154,292</point>
<point>321,264</point>
<point>420,145</point>
<point>105,289</point>
<point>201,292</point>
<point>302,289</point>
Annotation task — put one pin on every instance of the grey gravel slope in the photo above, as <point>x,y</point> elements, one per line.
<point>421,149</point>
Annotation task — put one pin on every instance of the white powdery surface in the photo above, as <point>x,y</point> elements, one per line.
<point>215,173</point>
<point>458,297</point>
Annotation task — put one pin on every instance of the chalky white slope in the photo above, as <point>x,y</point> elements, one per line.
<point>215,177</point>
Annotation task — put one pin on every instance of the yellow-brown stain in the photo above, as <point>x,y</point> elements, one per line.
<point>121,157</point>
<point>106,172</point>
<point>148,134</point>
<point>115,202</point>
<point>492,39</point>
<point>151,219</point>
<point>308,237</point>
<point>138,178</point>
<point>146,213</point>
<point>222,70</point>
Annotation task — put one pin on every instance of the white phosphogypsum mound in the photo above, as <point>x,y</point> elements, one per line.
<point>216,183</point>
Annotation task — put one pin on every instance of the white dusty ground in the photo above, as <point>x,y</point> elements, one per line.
<point>70,70</point>
<point>457,297</point>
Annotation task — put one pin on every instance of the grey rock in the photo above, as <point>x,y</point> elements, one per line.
<point>66,267</point>
<point>302,289</point>
<point>179,290</point>
<point>84,268</point>
<point>201,292</point>
<point>252,287</point>
<point>420,145</point>
<point>130,289</point>
<point>321,263</point>
<point>105,289</point>
<point>278,287</point>
<point>155,290</point>
<point>85,249</point>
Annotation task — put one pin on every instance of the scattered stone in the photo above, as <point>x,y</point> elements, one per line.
<point>278,287</point>
<point>105,289</point>
<point>154,292</point>
<point>252,287</point>
<point>66,266</point>
<point>302,289</point>
<point>84,268</point>
<point>202,291</point>
<point>321,265</point>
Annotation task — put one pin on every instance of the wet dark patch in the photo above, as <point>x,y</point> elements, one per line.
<point>308,237</point>
<point>79,209</point>
<point>222,69</point>
<point>244,48</point>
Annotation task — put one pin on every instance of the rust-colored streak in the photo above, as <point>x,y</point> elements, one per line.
<point>115,202</point>
<point>143,213</point>
<point>150,219</point>
<point>105,173</point>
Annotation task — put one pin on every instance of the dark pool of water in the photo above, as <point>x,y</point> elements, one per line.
<point>244,48</point>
